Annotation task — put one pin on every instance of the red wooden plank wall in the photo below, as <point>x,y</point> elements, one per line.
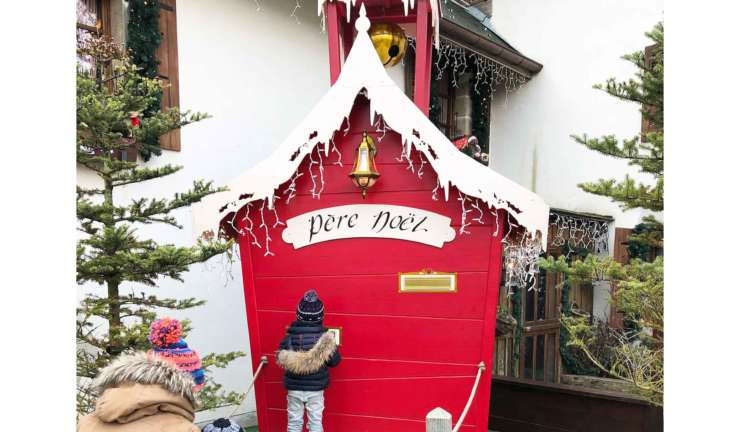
<point>403,353</point>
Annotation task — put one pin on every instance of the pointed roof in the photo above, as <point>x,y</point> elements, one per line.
<point>407,4</point>
<point>363,69</point>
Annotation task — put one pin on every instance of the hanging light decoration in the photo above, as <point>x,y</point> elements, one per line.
<point>389,41</point>
<point>364,173</point>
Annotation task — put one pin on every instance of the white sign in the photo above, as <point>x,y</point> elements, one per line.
<point>368,221</point>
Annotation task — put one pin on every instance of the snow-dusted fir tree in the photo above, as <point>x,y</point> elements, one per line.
<point>110,254</point>
<point>638,294</point>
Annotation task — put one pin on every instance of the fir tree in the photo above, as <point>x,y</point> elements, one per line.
<point>637,358</point>
<point>110,254</point>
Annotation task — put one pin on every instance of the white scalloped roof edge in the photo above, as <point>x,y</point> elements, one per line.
<point>363,69</point>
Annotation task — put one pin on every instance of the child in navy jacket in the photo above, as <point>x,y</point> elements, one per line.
<point>306,352</point>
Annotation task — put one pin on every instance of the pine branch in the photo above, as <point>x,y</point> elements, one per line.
<point>628,91</point>
<point>647,234</point>
<point>166,303</point>
<point>221,360</point>
<point>140,174</point>
<point>88,212</point>
<point>143,209</point>
<point>628,193</point>
<point>81,192</point>
<point>647,154</point>
<point>118,255</point>
<point>212,396</point>
<point>98,306</point>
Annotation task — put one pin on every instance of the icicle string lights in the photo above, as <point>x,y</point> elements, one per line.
<point>579,232</point>
<point>476,206</point>
<point>321,172</point>
<point>334,149</point>
<point>521,253</point>
<point>380,127</point>
<point>422,162</point>
<point>268,239</point>
<point>494,213</point>
<point>520,250</point>
<point>278,222</point>
<point>435,190</point>
<point>486,71</point>
<point>316,188</point>
<point>450,56</point>
<point>464,215</point>
<point>520,258</point>
<point>250,227</point>
<point>291,189</point>
<point>406,156</point>
<point>295,9</point>
<point>315,171</point>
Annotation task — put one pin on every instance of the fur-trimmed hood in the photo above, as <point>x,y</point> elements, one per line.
<point>141,368</point>
<point>308,362</point>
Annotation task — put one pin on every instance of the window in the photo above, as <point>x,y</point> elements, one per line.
<point>541,313</point>
<point>452,104</point>
<point>532,351</point>
<point>93,18</point>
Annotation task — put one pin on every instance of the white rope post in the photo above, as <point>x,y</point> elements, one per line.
<point>439,420</point>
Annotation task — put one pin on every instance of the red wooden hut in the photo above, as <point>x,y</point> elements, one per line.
<point>409,274</point>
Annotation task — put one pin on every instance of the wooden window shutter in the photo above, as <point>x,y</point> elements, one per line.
<point>168,68</point>
<point>622,256</point>
<point>646,126</point>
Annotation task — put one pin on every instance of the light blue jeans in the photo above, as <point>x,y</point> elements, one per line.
<point>314,404</point>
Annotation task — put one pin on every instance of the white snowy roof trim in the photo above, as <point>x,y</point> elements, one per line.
<point>407,5</point>
<point>363,69</point>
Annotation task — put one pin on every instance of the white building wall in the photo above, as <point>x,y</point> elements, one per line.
<point>580,43</point>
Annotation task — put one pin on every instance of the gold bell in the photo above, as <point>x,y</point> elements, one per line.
<point>389,41</point>
<point>364,174</point>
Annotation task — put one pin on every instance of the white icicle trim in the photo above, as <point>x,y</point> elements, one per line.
<point>363,69</point>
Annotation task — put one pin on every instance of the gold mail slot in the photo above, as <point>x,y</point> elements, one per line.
<point>427,281</point>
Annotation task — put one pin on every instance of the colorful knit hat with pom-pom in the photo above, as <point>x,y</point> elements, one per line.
<point>165,336</point>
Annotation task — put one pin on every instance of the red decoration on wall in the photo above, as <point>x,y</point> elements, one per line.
<point>461,142</point>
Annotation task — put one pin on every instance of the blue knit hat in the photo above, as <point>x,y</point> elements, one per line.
<point>222,425</point>
<point>310,307</point>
